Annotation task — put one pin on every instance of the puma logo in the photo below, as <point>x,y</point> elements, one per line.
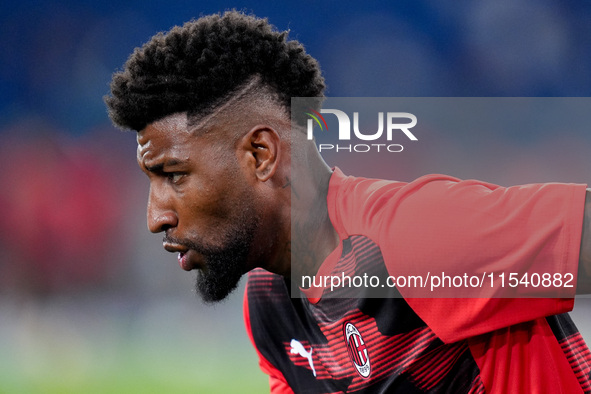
<point>298,348</point>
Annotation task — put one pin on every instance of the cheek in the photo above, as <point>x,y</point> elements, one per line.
<point>213,205</point>
<point>217,196</point>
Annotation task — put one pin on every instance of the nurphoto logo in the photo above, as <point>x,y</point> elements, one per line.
<point>395,123</point>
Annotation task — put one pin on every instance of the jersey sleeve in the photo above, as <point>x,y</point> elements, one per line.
<point>439,225</point>
<point>277,382</point>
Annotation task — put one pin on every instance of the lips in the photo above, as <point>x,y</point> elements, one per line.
<point>182,257</point>
<point>184,261</point>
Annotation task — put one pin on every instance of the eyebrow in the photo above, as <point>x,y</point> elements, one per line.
<point>160,166</point>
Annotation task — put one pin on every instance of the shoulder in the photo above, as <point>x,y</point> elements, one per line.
<point>262,284</point>
<point>358,205</point>
<point>266,298</point>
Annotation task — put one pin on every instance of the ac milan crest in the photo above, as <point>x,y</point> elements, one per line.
<point>357,350</point>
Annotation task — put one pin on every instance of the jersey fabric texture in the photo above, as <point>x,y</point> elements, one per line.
<point>385,340</point>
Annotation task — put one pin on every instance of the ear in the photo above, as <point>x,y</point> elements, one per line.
<point>261,148</point>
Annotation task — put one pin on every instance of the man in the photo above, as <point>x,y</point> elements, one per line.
<point>235,188</point>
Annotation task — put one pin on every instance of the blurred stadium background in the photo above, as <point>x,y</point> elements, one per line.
<point>89,301</point>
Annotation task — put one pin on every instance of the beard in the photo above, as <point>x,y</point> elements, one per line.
<point>225,264</point>
<point>224,267</point>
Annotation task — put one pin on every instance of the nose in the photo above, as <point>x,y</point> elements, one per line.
<point>160,214</point>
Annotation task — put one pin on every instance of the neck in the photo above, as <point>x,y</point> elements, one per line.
<point>313,236</point>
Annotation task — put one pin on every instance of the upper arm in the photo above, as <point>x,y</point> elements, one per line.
<point>584,272</point>
<point>476,229</point>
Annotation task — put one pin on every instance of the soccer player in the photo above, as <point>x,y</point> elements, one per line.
<point>236,189</point>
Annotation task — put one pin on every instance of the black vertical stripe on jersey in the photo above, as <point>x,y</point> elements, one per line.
<point>574,347</point>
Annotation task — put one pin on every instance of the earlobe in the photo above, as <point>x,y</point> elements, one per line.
<point>263,143</point>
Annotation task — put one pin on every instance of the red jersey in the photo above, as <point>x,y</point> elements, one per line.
<point>384,339</point>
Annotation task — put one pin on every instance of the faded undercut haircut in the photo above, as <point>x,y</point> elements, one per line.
<point>196,67</point>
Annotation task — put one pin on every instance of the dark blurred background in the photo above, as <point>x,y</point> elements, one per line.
<point>89,301</point>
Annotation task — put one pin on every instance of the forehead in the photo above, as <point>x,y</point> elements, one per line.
<point>168,136</point>
<point>166,130</point>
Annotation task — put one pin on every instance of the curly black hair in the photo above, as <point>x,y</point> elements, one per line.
<point>194,67</point>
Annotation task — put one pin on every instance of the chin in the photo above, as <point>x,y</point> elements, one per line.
<point>214,288</point>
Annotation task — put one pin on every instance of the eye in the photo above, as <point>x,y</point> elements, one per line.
<point>175,177</point>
